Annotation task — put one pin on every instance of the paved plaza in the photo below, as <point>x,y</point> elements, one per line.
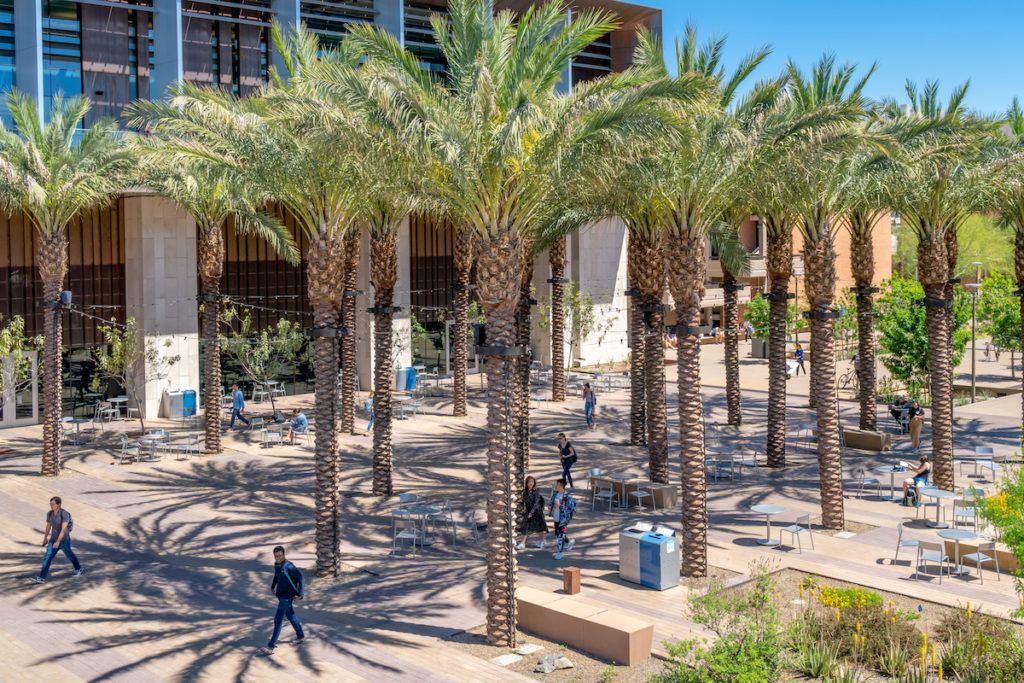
<point>178,565</point>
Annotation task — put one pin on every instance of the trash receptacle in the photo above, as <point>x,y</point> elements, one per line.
<point>189,403</point>
<point>629,551</point>
<point>171,405</point>
<point>659,560</point>
<point>410,379</point>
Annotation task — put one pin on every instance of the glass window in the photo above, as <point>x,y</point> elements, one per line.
<point>236,68</point>
<point>62,50</point>
<point>6,54</point>
<point>215,54</point>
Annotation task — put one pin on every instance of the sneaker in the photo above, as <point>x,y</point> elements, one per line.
<point>520,546</point>
<point>300,641</point>
<point>572,542</point>
<point>266,651</point>
<point>558,556</point>
<point>38,579</point>
<point>77,572</point>
<point>542,544</point>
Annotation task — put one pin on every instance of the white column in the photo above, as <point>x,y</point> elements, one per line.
<point>391,17</point>
<point>167,39</point>
<point>600,269</point>
<point>160,292</point>
<point>28,50</point>
<point>288,12</point>
<point>402,350</point>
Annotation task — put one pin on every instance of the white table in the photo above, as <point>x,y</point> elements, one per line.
<point>957,535</point>
<point>153,440</point>
<point>120,402</point>
<point>422,513</point>
<point>272,434</point>
<point>892,471</point>
<point>768,511</point>
<point>939,495</point>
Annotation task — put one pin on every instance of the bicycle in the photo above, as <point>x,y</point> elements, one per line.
<point>848,380</point>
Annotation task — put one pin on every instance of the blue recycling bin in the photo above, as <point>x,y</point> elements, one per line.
<point>410,378</point>
<point>659,561</point>
<point>189,403</point>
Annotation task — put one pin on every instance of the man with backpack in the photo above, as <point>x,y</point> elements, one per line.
<point>563,505</point>
<point>287,586</point>
<point>57,536</point>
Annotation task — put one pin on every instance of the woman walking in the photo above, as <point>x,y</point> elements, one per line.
<point>567,454</point>
<point>533,521</point>
<point>589,403</point>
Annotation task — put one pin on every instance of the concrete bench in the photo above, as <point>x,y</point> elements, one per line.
<point>586,625</point>
<point>867,441</point>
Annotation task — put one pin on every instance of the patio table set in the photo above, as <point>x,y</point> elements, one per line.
<point>417,522</point>
<point>618,490</point>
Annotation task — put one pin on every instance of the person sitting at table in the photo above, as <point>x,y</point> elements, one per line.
<point>897,406</point>
<point>919,480</point>
<point>299,425</point>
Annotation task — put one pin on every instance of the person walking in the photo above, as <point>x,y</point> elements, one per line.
<point>237,406</point>
<point>57,536</point>
<point>748,331</point>
<point>799,359</point>
<point>287,587</point>
<point>368,406</point>
<point>589,403</point>
<point>533,520</point>
<point>563,505</point>
<point>567,454</point>
<point>916,417</point>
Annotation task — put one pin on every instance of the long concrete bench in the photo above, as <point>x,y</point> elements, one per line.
<point>586,625</point>
<point>867,441</point>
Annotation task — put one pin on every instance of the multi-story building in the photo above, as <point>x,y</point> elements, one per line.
<point>137,257</point>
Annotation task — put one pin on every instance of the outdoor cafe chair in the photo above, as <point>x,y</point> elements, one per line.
<point>591,473</point>
<point>407,499</point>
<point>443,518</point>
<point>986,553</point>
<point>642,493</point>
<point>129,451</point>
<point>903,542</point>
<point>965,510</point>
<point>68,431</point>
<point>929,552</point>
<point>105,412</point>
<point>795,531</point>
<point>603,490</point>
<point>404,529</point>
<point>862,482</point>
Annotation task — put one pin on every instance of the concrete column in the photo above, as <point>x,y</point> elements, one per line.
<point>540,339</point>
<point>391,17</point>
<point>167,39</point>
<point>565,84</point>
<point>600,270</point>
<point>288,12</point>
<point>28,50</point>
<point>160,272</point>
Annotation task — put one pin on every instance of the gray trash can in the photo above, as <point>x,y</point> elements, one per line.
<point>629,552</point>
<point>172,404</point>
<point>659,560</point>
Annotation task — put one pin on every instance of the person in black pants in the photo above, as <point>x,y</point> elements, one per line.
<point>287,586</point>
<point>567,454</point>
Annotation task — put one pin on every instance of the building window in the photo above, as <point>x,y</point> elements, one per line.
<point>62,51</point>
<point>6,54</point>
<point>264,57</point>
<point>133,55</point>
<point>215,54</point>
<point>236,66</point>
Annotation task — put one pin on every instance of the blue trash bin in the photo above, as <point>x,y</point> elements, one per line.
<point>189,403</point>
<point>659,561</point>
<point>410,379</point>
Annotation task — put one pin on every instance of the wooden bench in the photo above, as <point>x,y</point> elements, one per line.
<point>867,441</point>
<point>586,625</point>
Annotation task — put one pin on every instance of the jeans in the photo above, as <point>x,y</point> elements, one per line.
<point>588,410</point>
<point>561,534</point>
<point>566,474</point>
<point>285,609</point>
<point>799,367</point>
<point>369,425</point>
<point>51,552</point>
<point>237,412</point>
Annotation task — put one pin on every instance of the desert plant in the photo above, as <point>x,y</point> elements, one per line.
<point>818,659</point>
<point>845,674</point>
<point>895,660</point>
<point>844,598</point>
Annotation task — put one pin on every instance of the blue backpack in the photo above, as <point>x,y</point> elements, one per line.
<point>567,507</point>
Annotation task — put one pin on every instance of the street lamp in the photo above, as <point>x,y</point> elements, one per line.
<point>974,287</point>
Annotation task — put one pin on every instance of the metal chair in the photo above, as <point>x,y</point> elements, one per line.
<point>443,518</point>
<point>404,528</point>
<point>642,493</point>
<point>802,526</point>
<point>591,473</point>
<point>260,395</point>
<point>862,482</point>
<point>966,510</point>
<point>130,451</point>
<point>605,490</point>
<point>902,542</point>
<point>406,499</point>
<point>68,431</point>
<point>986,553</point>
<point>805,433</point>
<point>929,552</point>
<point>105,412</point>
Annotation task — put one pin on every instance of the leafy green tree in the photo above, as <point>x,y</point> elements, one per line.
<point>265,354</point>
<point>131,361</point>
<point>999,313</point>
<point>583,320</point>
<point>983,240</point>
<point>1005,511</point>
<point>903,330</point>
<point>15,367</point>
<point>757,314</point>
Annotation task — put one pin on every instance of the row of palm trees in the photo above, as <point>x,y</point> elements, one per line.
<point>350,139</point>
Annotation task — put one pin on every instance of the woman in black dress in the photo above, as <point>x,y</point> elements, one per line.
<point>533,521</point>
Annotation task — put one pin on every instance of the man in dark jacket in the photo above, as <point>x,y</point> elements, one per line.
<point>287,586</point>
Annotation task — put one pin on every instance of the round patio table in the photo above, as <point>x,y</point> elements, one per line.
<point>422,512</point>
<point>957,535</point>
<point>121,403</point>
<point>767,511</point>
<point>892,471</point>
<point>939,495</point>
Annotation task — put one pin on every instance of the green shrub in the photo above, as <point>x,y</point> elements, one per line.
<point>844,598</point>
<point>845,674</point>
<point>817,659</point>
<point>895,661</point>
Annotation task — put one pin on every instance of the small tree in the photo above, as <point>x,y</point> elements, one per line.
<point>999,314</point>
<point>15,366</point>
<point>1005,511</point>
<point>262,355</point>
<point>129,363</point>
<point>583,320</point>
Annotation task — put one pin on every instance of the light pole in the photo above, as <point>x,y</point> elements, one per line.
<point>975,287</point>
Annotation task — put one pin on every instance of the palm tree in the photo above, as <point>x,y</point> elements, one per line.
<point>463,257</point>
<point>51,173</point>
<point>556,261</point>
<point>818,201</point>
<point>215,201</point>
<point>501,139</point>
<point>637,351</point>
<point>735,262</point>
<point>349,378</point>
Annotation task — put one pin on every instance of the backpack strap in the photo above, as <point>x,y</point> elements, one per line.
<point>284,570</point>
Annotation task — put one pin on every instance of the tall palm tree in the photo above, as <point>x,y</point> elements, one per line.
<point>819,202</point>
<point>215,201</point>
<point>501,139</point>
<point>349,378</point>
<point>51,174</point>
<point>734,260</point>
<point>556,261</point>
<point>637,350</point>
<point>463,257</point>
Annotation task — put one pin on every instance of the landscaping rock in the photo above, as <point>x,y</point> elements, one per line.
<point>563,663</point>
<point>544,666</point>
<point>528,649</point>
<point>506,660</point>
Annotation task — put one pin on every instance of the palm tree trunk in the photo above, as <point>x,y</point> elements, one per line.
<point>687,268</point>
<point>211,266</point>
<point>383,275</point>
<point>933,271</point>
<point>650,279</point>
<point>52,261</point>
<point>862,263</point>
<point>522,398</point>
<point>463,268</point>
<point>637,389</point>
<point>731,321</point>
<point>324,275</point>
<point>499,268</point>
<point>820,263</point>
<point>556,259</point>
<point>348,342</point>
<point>780,265</point>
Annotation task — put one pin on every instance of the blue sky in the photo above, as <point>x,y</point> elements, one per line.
<point>948,40</point>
